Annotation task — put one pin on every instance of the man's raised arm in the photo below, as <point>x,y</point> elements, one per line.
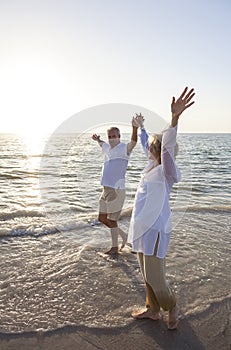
<point>134,136</point>
<point>97,138</point>
<point>143,135</point>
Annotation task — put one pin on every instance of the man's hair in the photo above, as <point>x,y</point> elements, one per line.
<point>114,128</point>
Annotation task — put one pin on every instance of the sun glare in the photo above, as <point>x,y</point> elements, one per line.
<point>34,144</point>
<point>31,91</point>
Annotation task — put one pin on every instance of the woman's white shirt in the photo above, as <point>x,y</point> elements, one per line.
<point>151,216</point>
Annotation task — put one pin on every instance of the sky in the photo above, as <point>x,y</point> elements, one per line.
<point>60,58</point>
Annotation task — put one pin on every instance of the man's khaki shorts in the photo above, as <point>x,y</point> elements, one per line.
<point>111,202</point>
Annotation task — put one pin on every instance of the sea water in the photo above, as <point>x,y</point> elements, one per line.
<point>51,272</point>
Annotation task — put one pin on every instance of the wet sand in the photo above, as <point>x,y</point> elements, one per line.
<point>102,321</point>
<point>208,330</point>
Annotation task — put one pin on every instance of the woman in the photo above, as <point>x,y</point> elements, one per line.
<point>150,226</point>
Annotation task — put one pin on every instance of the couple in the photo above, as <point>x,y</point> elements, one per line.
<point>150,226</point>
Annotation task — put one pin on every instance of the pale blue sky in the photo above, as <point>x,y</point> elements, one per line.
<point>60,57</point>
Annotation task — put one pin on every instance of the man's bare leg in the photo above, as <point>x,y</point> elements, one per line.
<point>114,232</point>
<point>124,237</point>
<point>114,237</point>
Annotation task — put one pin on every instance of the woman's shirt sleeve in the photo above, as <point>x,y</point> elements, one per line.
<point>168,155</point>
<point>144,140</point>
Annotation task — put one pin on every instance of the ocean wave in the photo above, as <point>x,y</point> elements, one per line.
<point>40,224</point>
<point>19,231</point>
<point>190,208</point>
<point>11,177</point>
<point>5,216</point>
<point>209,209</point>
<point>45,227</point>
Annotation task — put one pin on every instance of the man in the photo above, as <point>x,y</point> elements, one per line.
<point>116,157</point>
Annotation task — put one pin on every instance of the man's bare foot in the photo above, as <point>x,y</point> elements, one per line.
<point>173,319</point>
<point>129,245</point>
<point>122,246</point>
<point>113,250</point>
<point>123,243</point>
<point>146,313</point>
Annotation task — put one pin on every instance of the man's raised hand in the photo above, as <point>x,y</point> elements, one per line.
<point>96,137</point>
<point>139,120</point>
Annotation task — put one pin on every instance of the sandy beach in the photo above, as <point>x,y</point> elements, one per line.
<point>208,330</point>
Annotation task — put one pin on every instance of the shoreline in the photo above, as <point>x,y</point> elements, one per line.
<point>209,329</point>
<point>81,315</point>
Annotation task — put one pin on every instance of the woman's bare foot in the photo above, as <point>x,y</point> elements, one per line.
<point>113,250</point>
<point>146,313</point>
<point>173,318</point>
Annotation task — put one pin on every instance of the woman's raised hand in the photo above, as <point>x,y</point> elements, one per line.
<point>181,104</point>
